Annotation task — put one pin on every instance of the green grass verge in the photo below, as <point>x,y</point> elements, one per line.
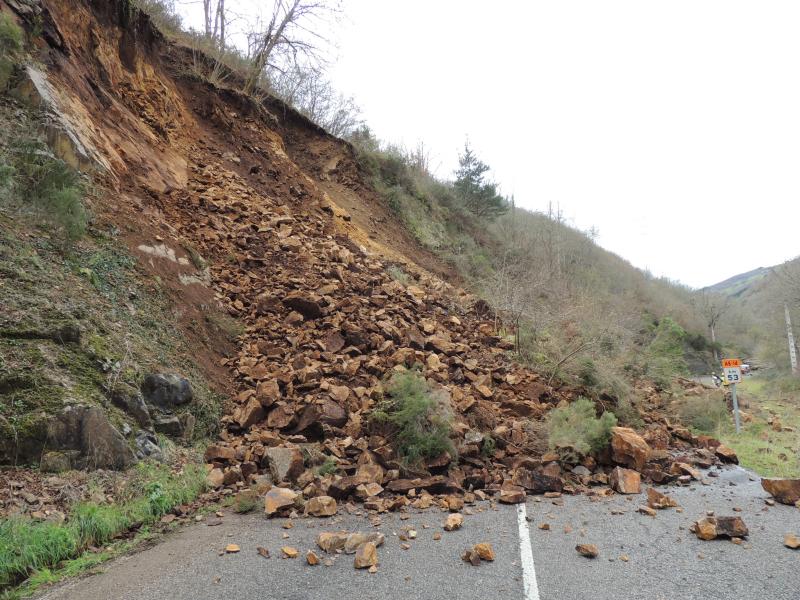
<point>31,548</point>
<point>768,452</point>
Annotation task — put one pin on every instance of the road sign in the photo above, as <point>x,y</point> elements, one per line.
<point>732,374</point>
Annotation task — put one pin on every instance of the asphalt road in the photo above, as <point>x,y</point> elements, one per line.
<point>665,560</point>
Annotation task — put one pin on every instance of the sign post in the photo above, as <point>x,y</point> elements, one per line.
<point>732,372</point>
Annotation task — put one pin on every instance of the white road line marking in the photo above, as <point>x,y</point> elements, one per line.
<point>526,554</point>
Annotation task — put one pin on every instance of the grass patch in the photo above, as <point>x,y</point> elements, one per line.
<point>329,467</point>
<point>11,43</point>
<point>706,414</point>
<point>245,501</point>
<point>577,427</point>
<point>419,416</point>
<point>28,546</point>
<point>36,179</point>
<point>398,275</point>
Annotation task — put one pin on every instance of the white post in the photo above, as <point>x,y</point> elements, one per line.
<point>790,335</point>
<point>735,408</point>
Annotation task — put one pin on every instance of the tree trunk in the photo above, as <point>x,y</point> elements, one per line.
<point>714,342</point>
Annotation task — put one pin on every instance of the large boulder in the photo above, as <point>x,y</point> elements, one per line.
<point>626,481</point>
<point>285,464</point>
<point>168,425</point>
<point>628,448</point>
<point>132,402</point>
<point>537,481</point>
<point>166,390</point>
<point>88,430</point>
<point>315,416</point>
<point>104,446</point>
<point>786,491</point>
<point>710,528</point>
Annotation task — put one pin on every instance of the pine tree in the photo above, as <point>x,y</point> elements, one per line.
<point>478,195</point>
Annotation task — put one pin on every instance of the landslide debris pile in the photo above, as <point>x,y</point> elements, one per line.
<point>326,326</point>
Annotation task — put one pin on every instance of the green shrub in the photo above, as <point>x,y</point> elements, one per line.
<point>11,36</point>
<point>577,426</point>
<point>420,418</point>
<point>245,501</point>
<point>329,467</point>
<point>11,40</point>
<point>704,413</point>
<point>398,274</point>
<point>488,446</point>
<point>664,357</point>
<point>39,180</point>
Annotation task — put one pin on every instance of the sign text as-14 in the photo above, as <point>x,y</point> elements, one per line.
<point>731,362</point>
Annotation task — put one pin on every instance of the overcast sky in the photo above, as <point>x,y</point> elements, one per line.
<point>672,127</point>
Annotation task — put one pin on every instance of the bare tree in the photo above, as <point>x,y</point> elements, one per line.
<point>214,21</point>
<point>308,90</point>
<point>288,36</point>
<point>711,308</point>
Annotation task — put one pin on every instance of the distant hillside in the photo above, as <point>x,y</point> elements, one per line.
<point>738,284</point>
<point>753,323</point>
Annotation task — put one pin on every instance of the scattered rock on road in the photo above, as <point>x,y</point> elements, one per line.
<point>232,548</point>
<point>710,528</point>
<point>786,491</point>
<point>454,521</point>
<point>587,550</point>
<point>366,556</point>
<point>646,510</point>
<point>321,506</point>
<point>656,499</point>
<point>790,540</point>
<point>484,550</point>
<point>311,558</point>
<point>278,499</point>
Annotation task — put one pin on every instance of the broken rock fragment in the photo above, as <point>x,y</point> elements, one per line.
<point>454,521</point>
<point>366,556</point>
<point>484,550</point>
<point>587,550</point>
<point>726,454</point>
<point>277,499</point>
<point>629,448</point>
<point>790,540</point>
<point>321,506</point>
<point>786,491</point>
<point>512,494</point>
<point>710,528</point>
<point>285,464</point>
<point>656,499</point>
<point>626,481</point>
